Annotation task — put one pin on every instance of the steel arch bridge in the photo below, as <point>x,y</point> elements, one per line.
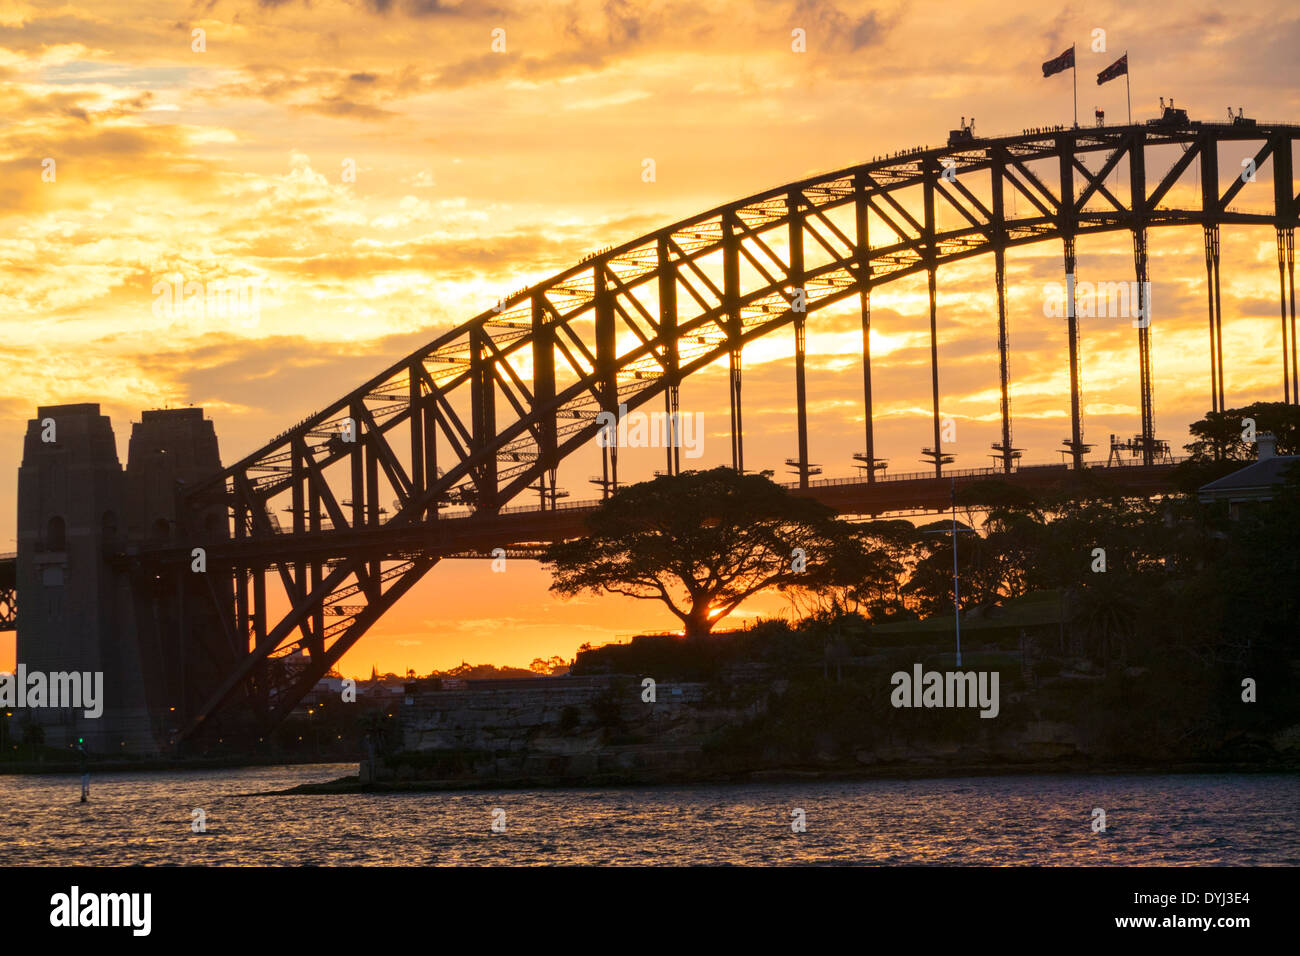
<point>488,410</point>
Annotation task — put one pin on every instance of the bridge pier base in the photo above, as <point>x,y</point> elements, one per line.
<point>76,609</point>
<point>90,602</point>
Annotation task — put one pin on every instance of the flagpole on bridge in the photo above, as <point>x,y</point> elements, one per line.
<point>1128,89</point>
<point>1066,61</point>
<point>1074,79</point>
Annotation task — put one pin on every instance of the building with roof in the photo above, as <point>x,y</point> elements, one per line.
<point>1258,481</point>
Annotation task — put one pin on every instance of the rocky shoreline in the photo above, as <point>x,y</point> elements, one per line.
<point>162,764</point>
<point>750,722</point>
<point>354,784</point>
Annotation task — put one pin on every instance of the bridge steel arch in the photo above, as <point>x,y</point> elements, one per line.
<point>487,411</point>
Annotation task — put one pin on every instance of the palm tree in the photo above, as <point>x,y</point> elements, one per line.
<point>1108,608</point>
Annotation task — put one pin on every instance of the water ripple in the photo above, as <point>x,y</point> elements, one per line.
<point>144,818</point>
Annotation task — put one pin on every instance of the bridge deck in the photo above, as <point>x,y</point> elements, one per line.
<point>522,529</point>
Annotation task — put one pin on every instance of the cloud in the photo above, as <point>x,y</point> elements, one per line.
<point>831,29</point>
<point>330,92</point>
<point>433,8</point>
<point>479,173</point>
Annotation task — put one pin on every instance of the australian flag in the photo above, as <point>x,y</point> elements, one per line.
<point>1063,62</point>
<point>1118,68</point>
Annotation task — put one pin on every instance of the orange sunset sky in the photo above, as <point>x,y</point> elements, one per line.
<point>479,172</point>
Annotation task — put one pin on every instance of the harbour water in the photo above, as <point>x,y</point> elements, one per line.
<point>146,818</point>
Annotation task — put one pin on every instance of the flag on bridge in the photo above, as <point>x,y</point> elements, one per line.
<point>1063,62</point>
<point>1118,68</point>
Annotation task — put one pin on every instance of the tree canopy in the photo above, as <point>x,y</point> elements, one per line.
<point>1166,574</point>
<point>702,542</point>
<point>1219,442</point>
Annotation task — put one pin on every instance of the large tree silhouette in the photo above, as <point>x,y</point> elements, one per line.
<point>1219,446</point>
<point>703,542</point>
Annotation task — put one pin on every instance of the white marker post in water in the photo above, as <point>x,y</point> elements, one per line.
<point>85,769</point>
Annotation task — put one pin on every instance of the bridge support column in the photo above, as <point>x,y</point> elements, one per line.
<point>1214,304</point>
<point>1068,224</point>
<point>357,466</point>
<point>801,399</point>
<point>864,300</point>
<point>869,456</point>
<point>1004,450</point>
<point>1075,445</point>
<point>737,426</point>
<point>314,526</point>
<point>415,424</point>
<point>731,293</point>
<point>298,493</point>
<point>799,296</point>
<point>1291,284</point>
<point>1209,208</point>
<point>1285,211</point>
<point>1138,203</point>
<point>672,448</point>
<point>1143,324</point>
<point>484,416</point>
<point>668,336</point>
<point>431,444</point>
<point>1285,271</point>
<point>544,395</point>
<point>937,451</point>
<point>607,363</point>
<point>372,478</point>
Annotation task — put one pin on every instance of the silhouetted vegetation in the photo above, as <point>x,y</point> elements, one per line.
<point>1134,621</point>
<point>703,541</point>
<point>1219,446</point>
